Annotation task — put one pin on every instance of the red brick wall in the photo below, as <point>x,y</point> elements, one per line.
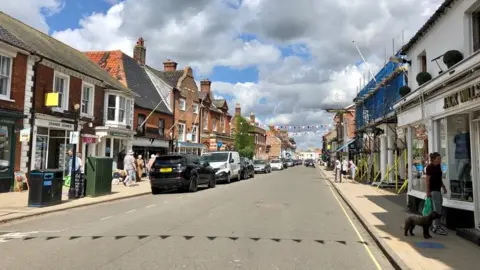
<point>154,119</point>
<point>187,117</point>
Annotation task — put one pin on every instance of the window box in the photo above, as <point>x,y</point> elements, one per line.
<point>119,110</point>
<point>182,104</point>
<point>5,76</point>
<point>87,98</point>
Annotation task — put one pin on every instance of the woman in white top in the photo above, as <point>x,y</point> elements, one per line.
<point>353,169</point>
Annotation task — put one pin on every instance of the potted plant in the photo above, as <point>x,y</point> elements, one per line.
<point>404,90</point>
<point>423,77</point>
<point>452,57</point>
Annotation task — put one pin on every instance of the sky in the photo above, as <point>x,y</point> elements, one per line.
<point>286,61</point>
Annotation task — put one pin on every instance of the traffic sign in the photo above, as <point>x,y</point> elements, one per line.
<point>219,143</point>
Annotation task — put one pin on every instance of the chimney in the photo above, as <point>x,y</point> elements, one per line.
<point>205,85</point>
<point>140,52</point>
<point>252,118</point>
<point>169,65</point>
<point>238,110</point>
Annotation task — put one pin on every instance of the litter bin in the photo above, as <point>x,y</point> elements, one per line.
<point>98,175</point>
<point>45,188</point>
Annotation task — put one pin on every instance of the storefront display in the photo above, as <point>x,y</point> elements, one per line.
<point>420,158</point>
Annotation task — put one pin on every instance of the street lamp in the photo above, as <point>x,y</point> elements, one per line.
<point>72,192</point>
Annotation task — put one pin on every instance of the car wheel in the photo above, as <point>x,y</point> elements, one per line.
<point>213,181</point>
<point>253,174</point>
<point>245,174</point>
<point>229,180</point>
<point>155,191</point>
<point>193,183</point>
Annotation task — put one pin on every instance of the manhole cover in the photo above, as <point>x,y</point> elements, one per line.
<point>429,245</point>
<point>271,205</point>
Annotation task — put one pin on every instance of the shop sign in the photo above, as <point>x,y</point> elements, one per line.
<point>7,121</point>
<point>74,135</point>
<point>467,94</point>
<point>54,124</point>
<point>89,140</point>
<point>118,134</point>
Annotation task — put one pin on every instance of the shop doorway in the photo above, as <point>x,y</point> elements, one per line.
<point>475,171</point>
<point>51,146</point>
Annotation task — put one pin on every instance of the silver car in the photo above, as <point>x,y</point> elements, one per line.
<point>261,166</point>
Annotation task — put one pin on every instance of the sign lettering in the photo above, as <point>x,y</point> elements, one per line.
<point>54,124</point>
<point>467,94</point>
<point>117,134</point>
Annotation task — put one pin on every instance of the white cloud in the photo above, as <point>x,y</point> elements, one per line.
<point>36,13</point>
<point>205,34</point>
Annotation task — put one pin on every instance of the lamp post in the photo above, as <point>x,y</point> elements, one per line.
<point>72,192</point>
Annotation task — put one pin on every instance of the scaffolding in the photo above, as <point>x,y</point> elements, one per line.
<point>375,122</point>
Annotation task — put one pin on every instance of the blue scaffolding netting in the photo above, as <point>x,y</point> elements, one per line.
<point>380,103</point>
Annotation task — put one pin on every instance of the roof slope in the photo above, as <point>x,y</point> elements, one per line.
<point>23,36</point>
<point>130,73</point>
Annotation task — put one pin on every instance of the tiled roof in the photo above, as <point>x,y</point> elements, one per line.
<point>128,71</point>
<point>219,103</point>
<point>170,77</point>
<point>19,34</point>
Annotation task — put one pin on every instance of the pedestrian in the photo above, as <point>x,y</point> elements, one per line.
<point>345,167</point>
<point>353,170</point>
<point>150,162</point>
<point>130,168</point>
<point>434,184</point>
<point>140,166</point>
<point>81,182</point>
<point>338,171</point>
<point>76,170</point>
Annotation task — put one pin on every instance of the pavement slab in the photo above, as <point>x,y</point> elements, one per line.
<point>289,219</point>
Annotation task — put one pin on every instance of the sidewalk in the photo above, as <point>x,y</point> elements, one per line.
<point>13,205</point>
<point>384,214</point>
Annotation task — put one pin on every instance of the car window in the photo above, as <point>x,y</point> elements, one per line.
<point>215,157</point>
<point>275,161</point>
<point>169,160</point>
<point>258,162</point>
<point>195,159</point>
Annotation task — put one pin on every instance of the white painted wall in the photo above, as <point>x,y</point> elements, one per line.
<point>451,32</point>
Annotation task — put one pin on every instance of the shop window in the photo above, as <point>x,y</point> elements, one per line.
<point>457,161</point>
<point>5,76</point>
<point>87,99</point>
<point>161,127</point>
<point>61,84</point>
<point>181,132</point>
<point>182,104</point>
<point>140,127</point>
<point>5,150</point>
<point>420,158</point>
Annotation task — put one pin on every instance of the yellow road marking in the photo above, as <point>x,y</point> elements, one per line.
<point>353,225</point>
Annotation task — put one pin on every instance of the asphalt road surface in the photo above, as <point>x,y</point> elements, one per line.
<point>289,219</point>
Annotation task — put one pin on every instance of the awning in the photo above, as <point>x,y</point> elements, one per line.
<point>190,145</point>
<point>344,146</point>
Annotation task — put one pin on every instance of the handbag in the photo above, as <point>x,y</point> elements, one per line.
<point>427,207</point>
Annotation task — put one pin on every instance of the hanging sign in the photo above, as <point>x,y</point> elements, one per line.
<point>25,135</point>
<point>74,137</point>
<point>468,93</point>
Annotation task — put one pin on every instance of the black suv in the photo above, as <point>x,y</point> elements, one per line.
<point>309,162</point>
<point>180,171</point>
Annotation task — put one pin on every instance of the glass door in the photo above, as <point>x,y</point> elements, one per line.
<point>476,173</point>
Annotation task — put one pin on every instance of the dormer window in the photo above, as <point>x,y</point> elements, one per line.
<point>119,109</point>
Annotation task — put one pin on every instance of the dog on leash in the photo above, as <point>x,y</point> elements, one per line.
<point>424,221</point>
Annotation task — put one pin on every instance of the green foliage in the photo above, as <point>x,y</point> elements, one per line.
<point>423,77</point>
<point>247,152</point>
<point>243,139</point>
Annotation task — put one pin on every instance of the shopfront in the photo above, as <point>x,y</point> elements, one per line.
<point>51,142</point>
<point>148,146</point>
<point>448,123</point>
<point>114,144</point>
<point>7,150</point>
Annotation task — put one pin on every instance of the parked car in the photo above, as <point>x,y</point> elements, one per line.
<point>289,162</point>
<point>309,162</point>
<point>262,166</point>
<point>276,164</point>
<point>284,163</point>
<point>180,171</point>
<point>225,163</point>
<point>297,162</point>
<point>246,168</point>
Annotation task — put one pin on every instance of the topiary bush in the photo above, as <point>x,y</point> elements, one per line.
<point>452,57</point>
<point>404,90</point>
<point>423,77</point>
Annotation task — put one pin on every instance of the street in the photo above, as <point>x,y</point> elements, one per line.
<point>288,219</point>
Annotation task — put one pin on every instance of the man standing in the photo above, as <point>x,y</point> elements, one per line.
<point>434,186</point>
<point>78,185</point>
<point>130,167</point>
<point>338,170</point>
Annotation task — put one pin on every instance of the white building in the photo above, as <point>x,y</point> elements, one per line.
<point>308,155</point>
<point>444,110</point>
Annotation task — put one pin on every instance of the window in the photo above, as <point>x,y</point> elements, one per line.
<point>195,108</point>
<point>420,157</point>
<point>5,75</point>
<point>183,104</point>
<point>60,86</point>
<point>214,124</point>
<point>141,128</point>
<point>87,99</point>
<point>111,107</point>
<point>181,132</point>
<point>129,113</point>
<point>476,31</point>
<point>222,124</point>
<point>121,111</point>
<point>161,128</point>
<point>205,120</point>
<point>5,138</point>
<point>422,62</point>
<point>194,134</point>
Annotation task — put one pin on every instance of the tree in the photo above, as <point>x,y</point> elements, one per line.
<point>247,152</point>
<point>243,138</point>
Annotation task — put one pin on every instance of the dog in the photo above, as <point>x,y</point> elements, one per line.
<point>425,222</point>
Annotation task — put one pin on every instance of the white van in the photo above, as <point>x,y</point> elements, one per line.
<point>225,163</point>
